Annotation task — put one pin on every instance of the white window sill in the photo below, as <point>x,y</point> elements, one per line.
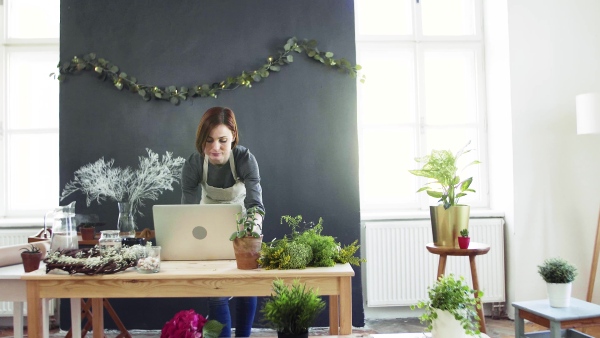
<point>422,214</point>
<point>8,223</point>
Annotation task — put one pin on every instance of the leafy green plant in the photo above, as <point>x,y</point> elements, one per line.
<point>246,225</point>
<point>441,166</point>
<point>292,309</point>
<point>32,249</point>
<point>455,296</point>
<point>106,70</point>
<point>306,247</point>
<point>557,270</point>
<point>464,232</point>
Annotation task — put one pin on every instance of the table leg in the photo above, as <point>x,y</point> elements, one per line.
<point>345,305</point>
<point>476,287</point>
<point>441,266</point>
<point>34,310</point>
<point>334,315</point>
<point>45,319</point>
<point>18,319</point>
<point>519,325</point>
<point>98,318</point>
<point>75,317</point>
<point>555,329</point>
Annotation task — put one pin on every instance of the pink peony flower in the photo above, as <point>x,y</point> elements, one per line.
<point>185,324</point>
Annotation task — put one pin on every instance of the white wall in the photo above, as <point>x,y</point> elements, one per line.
<point>540,55</point>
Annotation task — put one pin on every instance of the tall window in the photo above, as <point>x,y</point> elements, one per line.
<point>29,111</point>
<point>424,90</point>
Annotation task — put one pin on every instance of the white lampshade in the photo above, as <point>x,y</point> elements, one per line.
<point>588,113</point>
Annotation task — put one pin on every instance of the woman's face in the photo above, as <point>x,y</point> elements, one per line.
<point>218,145</point>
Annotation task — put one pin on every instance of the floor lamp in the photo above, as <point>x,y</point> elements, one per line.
<point>588,122</point>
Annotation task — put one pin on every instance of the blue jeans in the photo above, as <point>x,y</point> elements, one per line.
<point>218,309</point>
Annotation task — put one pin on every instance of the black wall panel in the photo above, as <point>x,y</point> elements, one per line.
<point>300,123</point>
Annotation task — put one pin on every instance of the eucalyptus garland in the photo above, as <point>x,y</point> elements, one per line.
<point>106,70</point>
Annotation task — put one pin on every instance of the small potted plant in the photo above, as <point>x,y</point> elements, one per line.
<point>31,257</point>
<point>247,240</point>
<point>447,218</point>
<point>464,239</point>
<point>291,310</point>
<point>88,231</point>
<point>559,276</point>
<point>451,310</point>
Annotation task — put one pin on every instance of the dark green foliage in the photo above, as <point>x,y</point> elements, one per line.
<point>455,296</point>
<point>246,224</point>
<point>31,249</point>
<point>557,270</point>
<point>293,308</point>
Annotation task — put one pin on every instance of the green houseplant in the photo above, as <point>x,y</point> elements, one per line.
<point>464,239</point>
<point>246,240</point>
<point>559,276</point>
<point>450,310</point>
<point>449,217</point>
<point>31,257</point>
<point>292,309</point>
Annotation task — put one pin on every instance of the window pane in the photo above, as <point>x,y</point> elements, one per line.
<point>33,171</point>
<point>388,94</point>
<point>29,19</point>
<point>450,87</point>
<point>448,17</point>
<point>32,94</point>
<point>386,154</point>
<point>383,17</point>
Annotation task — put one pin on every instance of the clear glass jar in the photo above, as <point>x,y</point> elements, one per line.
<point>109,239</point>
<point>126,223</point>
<point>149,259</point>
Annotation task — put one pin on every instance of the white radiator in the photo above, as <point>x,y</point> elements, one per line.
<point>399,268</point>
<point>16,237</point>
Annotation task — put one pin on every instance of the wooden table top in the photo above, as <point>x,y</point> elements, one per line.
<point>473,250</point>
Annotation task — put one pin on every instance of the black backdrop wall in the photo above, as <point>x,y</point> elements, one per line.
<point>299,123</point>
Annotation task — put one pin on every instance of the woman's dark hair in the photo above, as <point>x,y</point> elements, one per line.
<point>212,118</point>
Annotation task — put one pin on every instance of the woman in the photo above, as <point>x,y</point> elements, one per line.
<point>221,171</point>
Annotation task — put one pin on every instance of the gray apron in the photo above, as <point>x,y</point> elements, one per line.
<point>213,195</point>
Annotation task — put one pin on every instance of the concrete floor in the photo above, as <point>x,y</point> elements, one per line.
<point>496,328</point>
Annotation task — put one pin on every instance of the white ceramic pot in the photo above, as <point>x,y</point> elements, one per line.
<point>446,326</point>
<point>559,294</point>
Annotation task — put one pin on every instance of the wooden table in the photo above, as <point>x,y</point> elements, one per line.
<point>561,321</point>
<point>474,250</point>
<point>189,279</point>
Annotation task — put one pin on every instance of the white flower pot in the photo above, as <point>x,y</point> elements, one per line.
<point>559,294</point>
<point>446,326</point>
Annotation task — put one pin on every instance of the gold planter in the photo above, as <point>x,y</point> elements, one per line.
<point>447,223</point>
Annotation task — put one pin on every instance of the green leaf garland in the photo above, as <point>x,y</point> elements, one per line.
<point>105,70</point>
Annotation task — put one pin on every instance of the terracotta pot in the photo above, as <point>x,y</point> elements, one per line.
<point>247,252</point>
<point>87,234</point>
<point>463,242</point>
<point>31,261</point>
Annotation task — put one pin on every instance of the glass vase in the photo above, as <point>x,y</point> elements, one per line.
<point>125,223</point>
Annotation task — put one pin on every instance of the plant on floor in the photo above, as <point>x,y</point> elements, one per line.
<point>291,309</point>
<point>441,167</point>
<point>454,296</point>
<point>557,270</point>
<point>306,247</point>
<point>189,324</point>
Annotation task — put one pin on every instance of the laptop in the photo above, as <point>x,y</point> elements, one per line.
<point>195,232</point>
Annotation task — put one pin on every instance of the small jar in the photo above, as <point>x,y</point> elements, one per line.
<point>149,259</point>
<point>109,239</point>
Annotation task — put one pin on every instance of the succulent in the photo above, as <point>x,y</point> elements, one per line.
<point>245,225</point>
<point>464,232</point>
<point>31,249</point>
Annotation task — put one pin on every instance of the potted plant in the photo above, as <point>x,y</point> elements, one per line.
<point>558,275</point>
<point>464,239</point>
<point>246,240</point>
<point>88,230</point>
<point>451,308</point>
<point>31,257</point>
<point>449,217</point>
<point>291,310</point>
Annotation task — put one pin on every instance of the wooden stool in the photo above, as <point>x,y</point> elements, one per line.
<point>473,250</point>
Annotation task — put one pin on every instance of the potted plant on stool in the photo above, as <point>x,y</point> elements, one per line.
<point>449,217</point>
<point>292,310</point>
<point>31,256</point>
<point>450,310</point>
<point>464,239</point>
<point>558,275</point>
<point>246,240</point>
